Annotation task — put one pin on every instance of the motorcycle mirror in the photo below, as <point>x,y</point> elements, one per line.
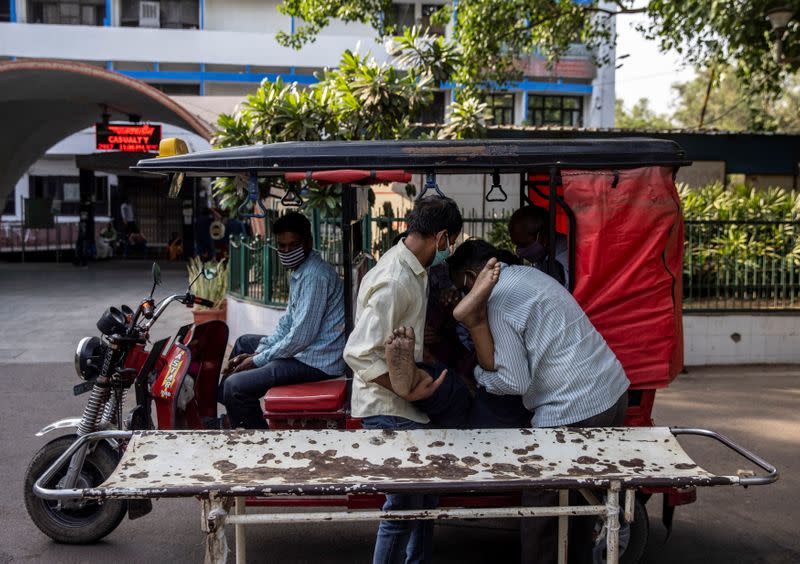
<point>209,271</point>
<point>156,277</point>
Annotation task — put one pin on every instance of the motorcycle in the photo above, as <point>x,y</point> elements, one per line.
<point>176,379</point>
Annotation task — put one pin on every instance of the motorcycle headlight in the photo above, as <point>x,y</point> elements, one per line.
<point>88,357</point>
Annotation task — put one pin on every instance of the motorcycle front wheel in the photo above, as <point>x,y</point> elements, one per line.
<point>81,522</point>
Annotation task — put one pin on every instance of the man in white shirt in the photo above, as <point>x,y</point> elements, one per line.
<point>126,211</point>
<point>393,294</point>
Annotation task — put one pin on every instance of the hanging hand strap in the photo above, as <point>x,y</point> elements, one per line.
<point>252,196</point>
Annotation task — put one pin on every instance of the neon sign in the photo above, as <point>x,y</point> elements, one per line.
<point>127,137</point>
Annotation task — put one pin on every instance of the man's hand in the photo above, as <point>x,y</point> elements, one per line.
<point>425,387</point>
<point>239,363</point>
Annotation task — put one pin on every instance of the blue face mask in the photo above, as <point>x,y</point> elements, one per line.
<point>441,256</point>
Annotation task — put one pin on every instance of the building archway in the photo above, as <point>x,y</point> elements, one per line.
<point>44,101</point>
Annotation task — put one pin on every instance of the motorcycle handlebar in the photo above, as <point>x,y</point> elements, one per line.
<point>203,302</point>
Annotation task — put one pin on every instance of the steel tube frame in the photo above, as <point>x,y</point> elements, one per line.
<point>215,517</point>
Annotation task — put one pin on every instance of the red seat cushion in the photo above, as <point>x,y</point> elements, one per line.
<point>328,395</point>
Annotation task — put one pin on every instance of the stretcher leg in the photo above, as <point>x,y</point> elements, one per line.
<point>563,528</point>
<point>612,523</point>
<point>214,514</point>
<point>241,539</point>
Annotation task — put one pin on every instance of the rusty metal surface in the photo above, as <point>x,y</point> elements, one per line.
<point>179,463</point>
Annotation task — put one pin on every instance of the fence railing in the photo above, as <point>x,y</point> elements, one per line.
<point>728,265</point>
<point>741,265</point>
<point>15,237</point>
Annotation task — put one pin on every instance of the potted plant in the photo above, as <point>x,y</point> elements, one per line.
<point>210,281</point>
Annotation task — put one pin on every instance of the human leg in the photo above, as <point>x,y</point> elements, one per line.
<point>399,349</point>
<point>246,344</point>
<point>402,541</point>
<point>490,411</point>
<point>449,406</point>
<point>242,391</point>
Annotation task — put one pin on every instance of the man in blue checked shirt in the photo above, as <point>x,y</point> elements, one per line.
<point>308,341</point>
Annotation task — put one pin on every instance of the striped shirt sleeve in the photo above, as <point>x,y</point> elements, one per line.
<point>306,319</point>
<point>512,372</point>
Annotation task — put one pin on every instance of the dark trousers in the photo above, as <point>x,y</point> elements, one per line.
<point>539,535</point>
<point>452,406</point>
<point>242,391</point>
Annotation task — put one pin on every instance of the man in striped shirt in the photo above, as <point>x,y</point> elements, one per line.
<point>535,341</point>
<point>308,341</point>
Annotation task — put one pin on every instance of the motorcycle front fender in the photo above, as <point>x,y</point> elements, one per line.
<point>69,423</point>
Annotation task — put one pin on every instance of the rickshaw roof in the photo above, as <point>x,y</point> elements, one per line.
<point>463,156</point>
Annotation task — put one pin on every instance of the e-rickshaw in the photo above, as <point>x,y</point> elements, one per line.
<point>615,202</point>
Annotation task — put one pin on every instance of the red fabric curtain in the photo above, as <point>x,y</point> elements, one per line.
<point>628,266</point>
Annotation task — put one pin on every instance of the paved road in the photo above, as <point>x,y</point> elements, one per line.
<point>757,406</point>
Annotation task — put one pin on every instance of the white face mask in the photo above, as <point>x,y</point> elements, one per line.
<point>293,258</point>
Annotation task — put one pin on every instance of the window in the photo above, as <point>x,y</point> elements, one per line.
<point>66,189</point>
<point>427,11</point>
<point>434,113</point>
<point>10,207</point>
<point>179,88</point>
<point>76,12</point>
<point>401,16</point>
<point>555,110</point>
<point>501,106</point>
<point>5,10</point>
<point>173,14</point>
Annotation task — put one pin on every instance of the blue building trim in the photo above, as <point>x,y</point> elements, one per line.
<point>202,14</point>
<point>535,86</point>
<point>107,19</point>
<point>13,11</point>
<point>204,76</point>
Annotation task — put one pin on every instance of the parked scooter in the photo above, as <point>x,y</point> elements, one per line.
<point>181,383</point>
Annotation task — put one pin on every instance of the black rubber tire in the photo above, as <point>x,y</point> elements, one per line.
<point>640,532</point>
<point>82,525</point>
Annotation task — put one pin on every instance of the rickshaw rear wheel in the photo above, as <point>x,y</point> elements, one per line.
<point>81,524</point>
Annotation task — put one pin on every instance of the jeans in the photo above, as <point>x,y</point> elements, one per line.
<point>402,541</point>
<point>242,391</point>
<point>538,534</point>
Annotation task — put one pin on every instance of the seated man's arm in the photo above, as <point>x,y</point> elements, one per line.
<point>304,322</point>
<point>511,374</point>
<point>281,329</point>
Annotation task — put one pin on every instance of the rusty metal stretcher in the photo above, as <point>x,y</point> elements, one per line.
<point>222,467</point>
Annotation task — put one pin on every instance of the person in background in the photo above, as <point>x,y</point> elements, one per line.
<point>308,341</point>
<point>136,243</point>
<point>126,212</point>
<point>175,246</point>
<point>529,228</point>
<point>203,243</point>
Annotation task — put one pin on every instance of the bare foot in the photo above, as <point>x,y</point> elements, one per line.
<point>471,310</point>
<point>400,359</point>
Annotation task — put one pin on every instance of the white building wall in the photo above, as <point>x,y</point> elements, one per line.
<point>741,339</point>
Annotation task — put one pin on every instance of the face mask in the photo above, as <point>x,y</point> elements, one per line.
<point>535,252</point>
<point>440,256</point>
<point>293,258</point>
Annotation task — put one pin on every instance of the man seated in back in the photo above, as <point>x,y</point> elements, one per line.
<point>308,341</point>
<point>529,229</point>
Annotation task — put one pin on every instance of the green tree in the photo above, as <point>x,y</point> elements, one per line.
<point>360,99</point>
<point>495,34</point>
<point>640,116</point>
<point>730,106</point>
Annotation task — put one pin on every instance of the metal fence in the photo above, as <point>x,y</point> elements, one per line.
<point>741,265</point>
<point>15,237</point>
<point>728,265</point>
